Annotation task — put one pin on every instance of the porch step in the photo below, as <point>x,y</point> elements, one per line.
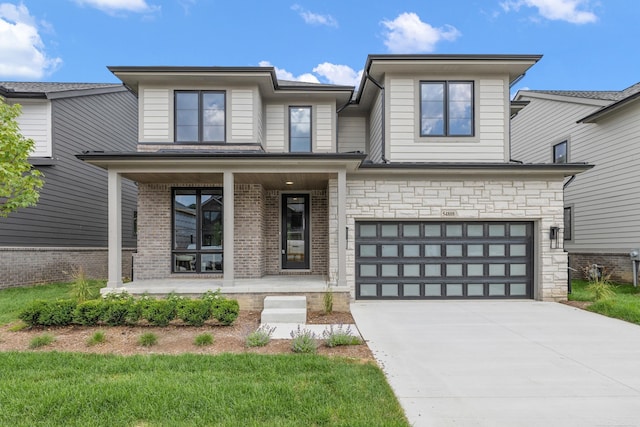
<point>284,309</point>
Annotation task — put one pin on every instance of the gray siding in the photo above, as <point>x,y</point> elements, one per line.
<point>352,134</point>
<point>72,211</point>
<point>604,199</point>
<point>375,130</point>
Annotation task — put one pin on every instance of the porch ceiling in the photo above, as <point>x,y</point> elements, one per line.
<point>270,181</point>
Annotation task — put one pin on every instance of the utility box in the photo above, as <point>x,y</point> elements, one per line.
<point>635,255</point>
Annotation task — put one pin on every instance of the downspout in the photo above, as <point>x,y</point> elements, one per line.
<point>382,121</point>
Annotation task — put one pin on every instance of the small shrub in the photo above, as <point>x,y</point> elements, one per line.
<point>120,309</point>
<point>212,296</point>
<point>160,312</point>
<point>88,313</point>
<point>41,340</point>
<point>98,337</point>
<point>599,283</point>
<point>31,313</point>
<point>225,310</point>
<point>260,337</point>
<point>176,299</point>
<point>203,339</point>
<point>340,336</point>
<point>58,313</point>
<point>48,313</point>
<point>304,341</point>
<point>327,300</point>
<point>194,312</point>
<point>80,289</point>
<point>148,339</point>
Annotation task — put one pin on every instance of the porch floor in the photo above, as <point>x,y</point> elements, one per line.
<point>195,286</point>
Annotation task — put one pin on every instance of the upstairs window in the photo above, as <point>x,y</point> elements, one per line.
<point>446,108</point>
<point>200,116</point>
<point>560,152</point>
<point>299,129</point>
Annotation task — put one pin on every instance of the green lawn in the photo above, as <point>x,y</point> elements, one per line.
<point>13,300</point>
<point>69,389</point>
<point>66,389</point>
<point>624,305</point>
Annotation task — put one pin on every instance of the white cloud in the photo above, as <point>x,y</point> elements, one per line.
<point>408,34</point>
<point>330,73</point>
<point>555,10</point>
<point>338,74</point>
<point>22,52</point>
<point>315,18</point>
<point>113,6</point>
<point>283,74</point>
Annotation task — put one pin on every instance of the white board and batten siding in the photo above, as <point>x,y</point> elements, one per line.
<point>34,123</point>
<point>404,143</point>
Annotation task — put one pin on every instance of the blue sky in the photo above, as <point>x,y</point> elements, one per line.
<point>587,44</point>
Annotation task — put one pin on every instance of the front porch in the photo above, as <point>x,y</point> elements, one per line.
<point>250,293</point>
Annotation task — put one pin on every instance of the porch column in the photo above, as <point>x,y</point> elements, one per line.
<point>342,228</point>
<point>228,225</point>
<point>115,229</point>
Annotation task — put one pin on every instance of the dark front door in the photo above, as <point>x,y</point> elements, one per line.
<point>295,231</point>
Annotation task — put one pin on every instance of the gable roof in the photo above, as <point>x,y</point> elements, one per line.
<point>604,95</point>
<point>609,101</point>
<point>50,90</point>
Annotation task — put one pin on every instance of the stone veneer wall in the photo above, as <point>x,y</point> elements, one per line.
<point>319,233</point>
<point>534,200</point>
<point>28,266</point>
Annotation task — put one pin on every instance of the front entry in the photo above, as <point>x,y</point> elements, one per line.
<point>295,231</point>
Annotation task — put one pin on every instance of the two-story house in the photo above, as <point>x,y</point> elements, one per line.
<point>403,191</point>
<point>68,227</point>
<point>601,206</point>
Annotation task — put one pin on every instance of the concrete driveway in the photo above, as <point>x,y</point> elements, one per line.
<point>505,363</point>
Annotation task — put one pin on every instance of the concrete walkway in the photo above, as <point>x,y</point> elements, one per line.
<point>505,363</point>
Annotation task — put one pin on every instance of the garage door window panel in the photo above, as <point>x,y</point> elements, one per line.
<point>368,250</point>
<point>433,290</point>
<point>411,270</point>
<point>411,251</point>
<point>420,259</point>
<point>411,290</point>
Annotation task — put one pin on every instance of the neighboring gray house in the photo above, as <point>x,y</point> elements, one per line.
<point>405,191</point>
<point>601,206</point>
<point>68,227</point>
